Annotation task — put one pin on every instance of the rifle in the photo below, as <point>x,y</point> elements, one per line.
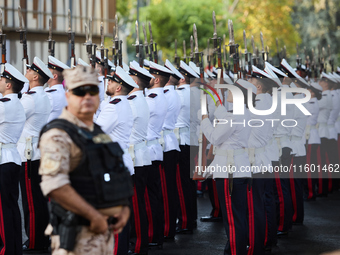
<point>51,43</point>
<point>233,49</point>
<point>146,45</point>
<point>247,57</point>
<point>177,59</point>
<point>2,45</point>
<point>139,49</point>
<point>324,59</point>
<point>88,40</point>
<point>217,49</point>
<point>254,58</point>
<point>202,157</point>
<point>264,53</point>
<point>102,55</point>
<point>298,60</point>
<point>115,48</point>
<point>331,60</point>
<point>120,54</point>
<point>184,52</point>
<point>23,40</point>
<point>71,40</point>
<point>277,51</point>
<point>226,63</point>
<point>153,46</point>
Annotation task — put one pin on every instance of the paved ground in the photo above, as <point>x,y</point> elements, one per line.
<point>320,233</point>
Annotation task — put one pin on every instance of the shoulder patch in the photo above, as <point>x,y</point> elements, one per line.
<point>5,99</point>
<point>152,95</point>
<point>30,92</point>
<point>131,97</point>
<point>166,90</point>
<point>180,88</point>
<point>115,101</point>
<point>50,90</point>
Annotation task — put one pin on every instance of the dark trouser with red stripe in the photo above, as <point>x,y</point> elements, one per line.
<point>169,191</point>
<point>234,213</point>
<point>10,220</point>
<point>34,206</point>
<point>213,196</point>
<point>284,204</point>
<point>186,190</point>
<point>121,246</point>
<point>193,155</point>
<point>313,160</point>
<point>270,207</point>
<point>333,158</point>
<point>154,204</point>
<point>296,188</point>
<point>323,185</point>
<point>256,216</point>
<point>139,221</point>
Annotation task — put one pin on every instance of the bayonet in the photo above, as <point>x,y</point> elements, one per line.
<point>69,21</point>
<point>101,35</point>
<point>2,45</point>
<point>262,43</point>
<point>245,42</point>
<point>146,45</point>
<point>191,48</point>
<point>90,29</point>
<point>116,42</point>
<point>231,32</point>
<point>177,59</point>
<point>247,56</point>
<point>214,38</point>
<point>71,40</point>
<point>195,37</point>
<point>184,52</point>
<point>153,46</point>
<point>233,49</point>
<point>138,46</point>
<point>51,43</point>
<point>23,40</point>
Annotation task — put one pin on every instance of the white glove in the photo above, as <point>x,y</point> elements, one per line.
<point>207,173</point>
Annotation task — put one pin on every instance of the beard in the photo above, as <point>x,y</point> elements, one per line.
<point>109,93</point>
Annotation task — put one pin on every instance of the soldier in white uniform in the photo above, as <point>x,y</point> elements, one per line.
<point>12,120</point>
<point>140,110</point>
<point>100,67</point>
<point>313,142</point>
<point>258,159</point>
<point>37,110</point>
<point>325,108</point>
<point>158,108</point>
<point>231,140</point>
<point>55,90</point>
<point>184,182</point>
<point>171,150</point>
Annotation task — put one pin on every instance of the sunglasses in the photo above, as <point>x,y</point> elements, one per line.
<point>83,90</point>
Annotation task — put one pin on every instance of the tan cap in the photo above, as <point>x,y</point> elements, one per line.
<point>80,76</point>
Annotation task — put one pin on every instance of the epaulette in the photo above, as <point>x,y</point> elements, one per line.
<point>180,88</point>
<point>50,90</point>
<point>30,92</point>
<point>166,90</point>
<point>311,102</point>
<point>5,99</point>
<point>116,101</point>
<point>231,111</point>
<point>131,97</point>
<point>152,95</point>
<point>324,95</point>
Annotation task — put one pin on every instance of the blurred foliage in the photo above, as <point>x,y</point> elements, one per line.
<point>318,23</point>
<point>174,19</point>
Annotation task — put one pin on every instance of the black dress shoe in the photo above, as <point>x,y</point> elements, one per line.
<point>169,239</point>
<point>184,231</point>
<point>282,233</point>
<point>155,246</point>
<point>211,219</point>
<point>133,253</point>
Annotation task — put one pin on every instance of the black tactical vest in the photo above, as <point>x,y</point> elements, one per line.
<point>101,177</point>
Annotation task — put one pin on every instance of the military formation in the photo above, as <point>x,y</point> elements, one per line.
<point>107,156</point>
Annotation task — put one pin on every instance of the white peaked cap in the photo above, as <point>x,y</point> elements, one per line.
<point>327,76</point>
<point>125,67</point>
<point>39,67</point>
<point>210,74</point>
<point>258,73</point>
<point>123,78</point>
<point>138,71</point>
<point>11,73</point>
<point>110,63</point>
<point>292,74</point>
<point>227,79</point>
<point>316,85</point>
<point>176,73</point>
<point>160,70</point>
<point>188,71</point>
<point>56,64</point>
<point>268,69</point>
<point>82,62</point>
<point>246,85</point>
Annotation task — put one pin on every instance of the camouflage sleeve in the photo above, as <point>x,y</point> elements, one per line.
<point>59,156</point>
